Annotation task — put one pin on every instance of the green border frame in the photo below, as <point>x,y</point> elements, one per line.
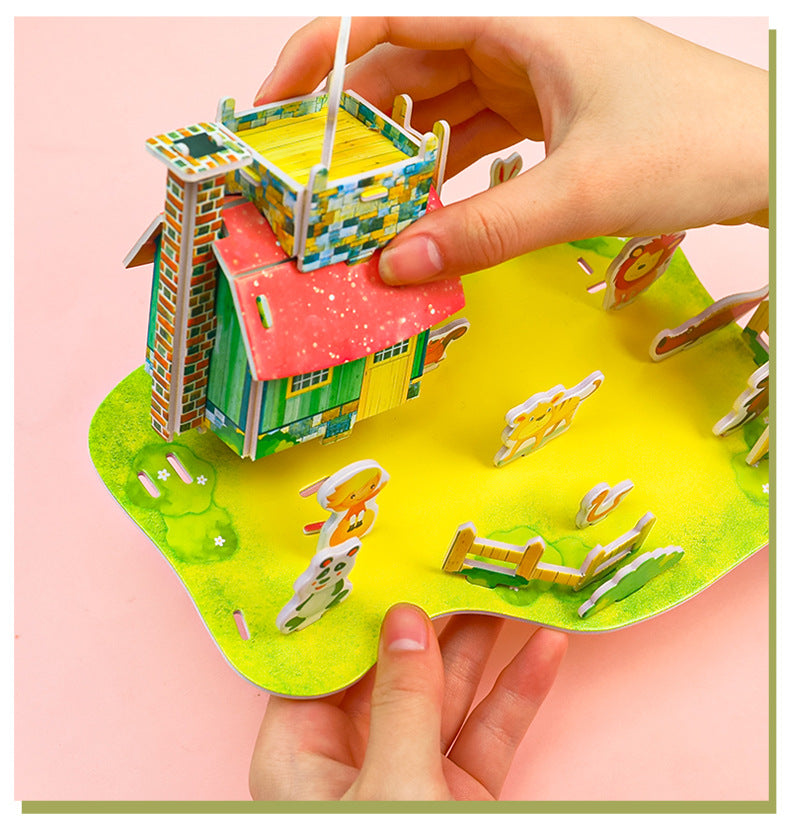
<point>329,807</point>
<point>772,427</point>
<point>502,807</point>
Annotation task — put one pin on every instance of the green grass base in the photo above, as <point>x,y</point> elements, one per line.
<point>533,325</point>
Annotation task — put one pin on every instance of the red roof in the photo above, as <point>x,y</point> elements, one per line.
<point>322,318</point>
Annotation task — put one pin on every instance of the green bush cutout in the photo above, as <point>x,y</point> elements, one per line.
<point>631,578</point>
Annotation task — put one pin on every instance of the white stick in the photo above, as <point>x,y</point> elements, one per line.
<point>335,89</point>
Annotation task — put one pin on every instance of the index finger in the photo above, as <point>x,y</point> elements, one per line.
<point>307,57</point>
<point>495,728</point>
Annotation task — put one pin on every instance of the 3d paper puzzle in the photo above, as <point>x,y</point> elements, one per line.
<point>760,448</point>
<point>350,496</point>
<point>470,552</point>
<point>637,266</point>
<point>503,169</point>
<point>721,313</point>
<point>647,424</point>
<point>749,404</point>
<point>270,328</point>
<point>543,417</point>
<point>631,578</point>
<point>599,502</point>
<point>756,332</point>
<point>244,343</point>
<point>323,585</point>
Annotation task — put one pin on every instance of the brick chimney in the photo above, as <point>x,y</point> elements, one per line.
<point>198,158</point>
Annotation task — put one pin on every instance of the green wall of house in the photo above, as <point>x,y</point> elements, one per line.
<point>278,409</point>
<point>230,381</point>
<point>229,376</point>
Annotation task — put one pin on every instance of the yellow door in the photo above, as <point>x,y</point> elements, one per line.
<point>386,380</point>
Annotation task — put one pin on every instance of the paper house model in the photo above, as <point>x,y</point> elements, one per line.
<point>268,321</point>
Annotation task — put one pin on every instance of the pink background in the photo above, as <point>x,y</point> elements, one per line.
<point>120,692</point>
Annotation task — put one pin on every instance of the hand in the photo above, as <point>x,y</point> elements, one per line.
<point>644,131</point>
<point>401,732</point>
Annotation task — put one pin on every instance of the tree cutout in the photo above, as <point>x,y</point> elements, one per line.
<point>631,578</point>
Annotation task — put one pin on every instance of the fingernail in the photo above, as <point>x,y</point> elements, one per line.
<point>405,629</point>
<point>412,260</point>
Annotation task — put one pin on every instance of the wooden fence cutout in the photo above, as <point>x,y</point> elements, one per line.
<point>525,561</point>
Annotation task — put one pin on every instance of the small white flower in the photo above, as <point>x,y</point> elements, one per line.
<point>219,541</point>
<point>765,488</point>
<point>201,480</point>
<point>163,474</point>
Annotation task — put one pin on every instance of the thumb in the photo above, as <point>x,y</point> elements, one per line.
<point>403,756</point>
<point>540,207</point>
